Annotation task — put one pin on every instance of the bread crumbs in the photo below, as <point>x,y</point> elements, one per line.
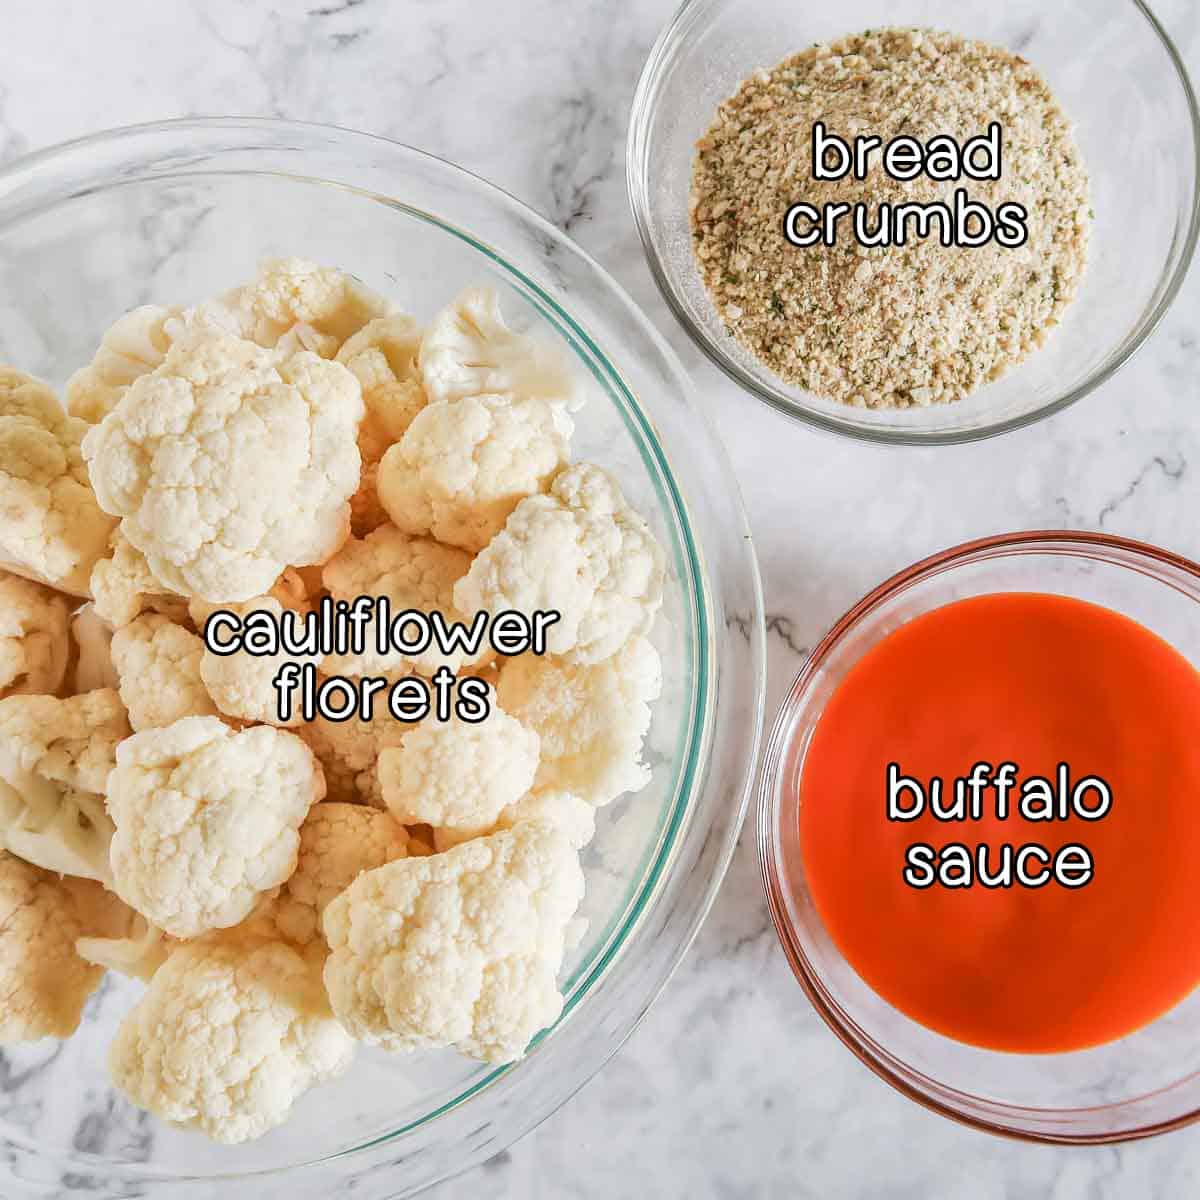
<point>893,327</point>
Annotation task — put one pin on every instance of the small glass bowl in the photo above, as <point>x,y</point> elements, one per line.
<point>1143,1084</point>
<point>1120,81</point>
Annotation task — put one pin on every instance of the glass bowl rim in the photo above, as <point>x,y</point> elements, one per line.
<point>637,148</point>
<point>67,161</point>
<point>1125,553</point>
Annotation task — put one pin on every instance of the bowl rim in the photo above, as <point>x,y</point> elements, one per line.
<point>637,150</point>
<point>21,183</point>
<point>1067,542</point>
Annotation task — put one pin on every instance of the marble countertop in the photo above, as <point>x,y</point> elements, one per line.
<point>732,1087</point>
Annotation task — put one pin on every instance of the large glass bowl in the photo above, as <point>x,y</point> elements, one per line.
<point>1120,81</point>
<point>179,211</point>
<point>1141,1085</point>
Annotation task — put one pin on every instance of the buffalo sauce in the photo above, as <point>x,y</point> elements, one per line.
<point>931,909</point>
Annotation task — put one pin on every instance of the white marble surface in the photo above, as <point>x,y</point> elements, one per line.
<point>731,1087</point>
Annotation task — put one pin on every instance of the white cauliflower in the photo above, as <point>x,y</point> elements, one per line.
<point>468,350</point>
<point>291,305</point>
<point>464,465</point>
<point>44,984</point>
<point>592,720</point>
<point>349,751</point>
<point>69,741</point>
<point>130,945</point>
<point>55,759</point>
<point>51,528</point>
<point>227,466</point>
<point>413,573</point>
<point>230,1033</point>
<point>123,586</point>
<point>383,358</point>
<point>572,815</point>
<point>458,949</point>
<point>93,668</point>
<point>159,664</point>
<point>337,843</point>
<point>133,347</point>
<point>241,685</point>
<point>34,647</point>
<point>457,775</point>
<point>580,551</point>
<point>207,820</point>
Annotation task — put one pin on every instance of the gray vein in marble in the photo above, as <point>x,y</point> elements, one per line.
<point>1172,470</point>
<point>333,10</point>
<point>784,628</point>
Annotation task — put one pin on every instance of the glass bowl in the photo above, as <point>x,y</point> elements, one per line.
<point>1143,1084</point>
<point>179,211</point>
<point>1136,122</point>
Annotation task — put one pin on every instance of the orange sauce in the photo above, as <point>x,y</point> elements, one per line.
<point>1037,680</point>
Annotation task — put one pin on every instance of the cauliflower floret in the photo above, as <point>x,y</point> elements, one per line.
<point>459,949</point>
<point>591,719</point>
<point>129,944</point>
<point>320,307</point>
<point>123,586</point>
<point>241,684</point>
<point>51,528</point>
<point>413,573</point>
<point>227,467</point>
<point>158,664</point>
<point>34,648</point>
<point>580,551</point>
<point>464,465</point>
<point>92,639</point>
<point>133,347</point>
<point>44,984</point>
<point>293,305</point>
<point>349,751</point>
<point>383,357</point>
<point>457,775</point>
<point>571,815</point>
<point>230,1033</point>
<point>468,350</point>
<point>55,758</point>
<point>337,843</point>
<point>70,741</point>
<point>207,820</point>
